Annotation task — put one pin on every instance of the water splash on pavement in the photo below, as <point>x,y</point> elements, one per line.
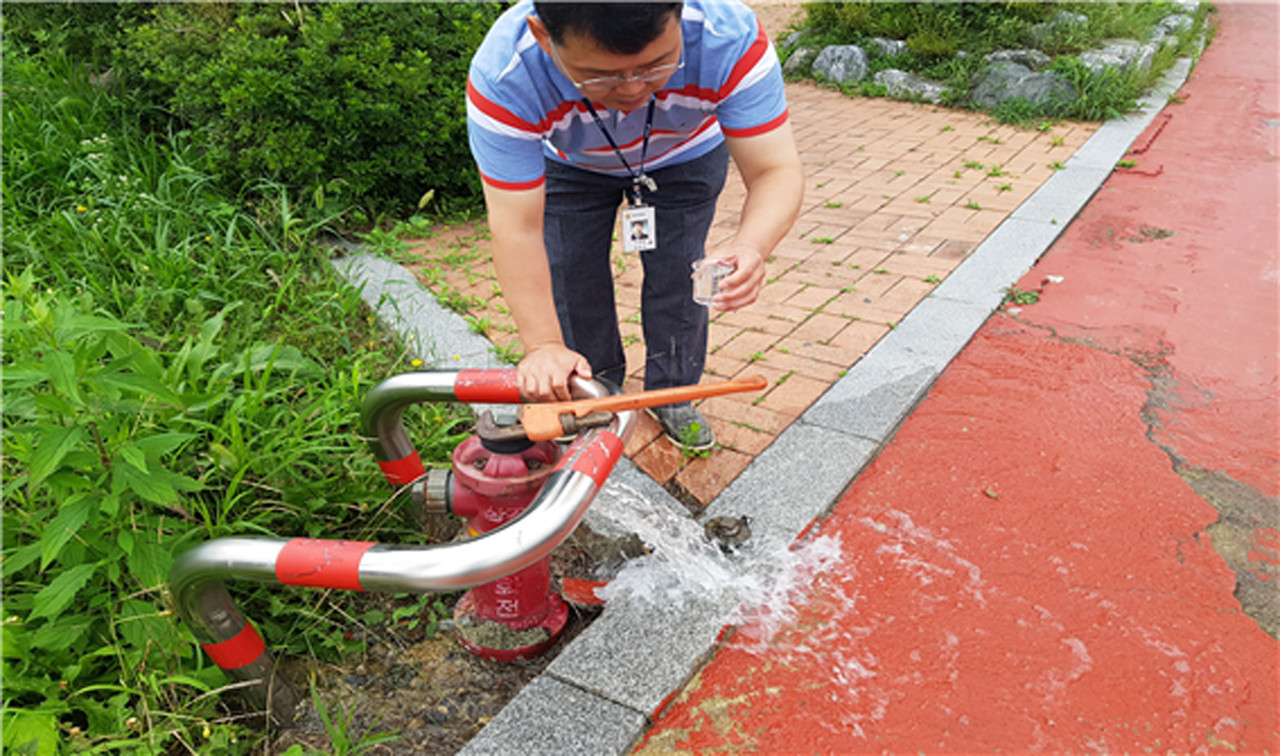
<point>764,577</point>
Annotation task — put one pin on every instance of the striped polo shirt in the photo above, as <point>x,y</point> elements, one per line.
<point>522,109</point>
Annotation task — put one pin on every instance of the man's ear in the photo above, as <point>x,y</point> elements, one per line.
<point>540,33</point>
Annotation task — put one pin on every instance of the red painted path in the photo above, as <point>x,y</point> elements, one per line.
<point>1030,565</point>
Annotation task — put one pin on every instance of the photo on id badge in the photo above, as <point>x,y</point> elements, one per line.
<point>638,229</point>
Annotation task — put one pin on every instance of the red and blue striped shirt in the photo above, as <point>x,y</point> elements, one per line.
<point>522,109</point>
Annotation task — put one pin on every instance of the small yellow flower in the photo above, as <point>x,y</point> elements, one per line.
<point>208,238</point>
<point>415,363</point>
<point>206,732</point>
<point>81,209</point>
<point>371,345</point>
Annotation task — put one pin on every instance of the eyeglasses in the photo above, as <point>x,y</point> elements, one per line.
<point>603,84</point>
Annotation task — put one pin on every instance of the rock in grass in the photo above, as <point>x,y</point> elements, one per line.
<point>798,62</point>
<point>905,85</point>
<point>1031,59</point>
<point>1001,82</point>
<point>890,48</point>
<point>1120,54</point>
<point>841,64</point>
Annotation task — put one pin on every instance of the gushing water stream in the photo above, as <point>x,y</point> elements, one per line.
<point>764,577</point>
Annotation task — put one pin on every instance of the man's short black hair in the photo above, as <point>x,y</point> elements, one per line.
<point>622,28</point>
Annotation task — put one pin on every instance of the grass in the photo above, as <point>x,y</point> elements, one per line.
<point>179,365</point>
<point>1016,296</point>
<point>935,33</point>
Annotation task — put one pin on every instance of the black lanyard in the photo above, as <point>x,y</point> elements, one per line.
<point>637,179</point>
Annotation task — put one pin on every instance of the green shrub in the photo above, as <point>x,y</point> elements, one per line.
<point>933,29</point>
<point>175,368</point>
<point>89,33</point>
<point>364,102</point>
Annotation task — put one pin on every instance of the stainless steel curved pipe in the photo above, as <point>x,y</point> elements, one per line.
<point>198,576</point>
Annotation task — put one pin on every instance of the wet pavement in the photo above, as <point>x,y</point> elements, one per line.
<point>1057,520</point>
<point>1072,543</point>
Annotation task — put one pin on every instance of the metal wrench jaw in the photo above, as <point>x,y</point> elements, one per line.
<point>491,433</point>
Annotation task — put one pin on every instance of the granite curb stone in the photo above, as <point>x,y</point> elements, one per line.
<point>792,486</point>
<point>1009,252</point>
<point>638,653</point>
<point>554,718</point>
<point>1062,195</point>
<point>876,396</point>
<point>438,336</point>
<point>598,695</point>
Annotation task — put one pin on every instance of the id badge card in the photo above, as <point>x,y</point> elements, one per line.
<point>639,229</point>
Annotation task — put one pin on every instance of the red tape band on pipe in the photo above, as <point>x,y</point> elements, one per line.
<point>489,386</point>
<point>322,564</point>
<point>403,471</point>
<point>234,653</point>
<point>597,458</point>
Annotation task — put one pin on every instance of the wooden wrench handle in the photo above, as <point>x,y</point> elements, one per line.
<point>542,421</point>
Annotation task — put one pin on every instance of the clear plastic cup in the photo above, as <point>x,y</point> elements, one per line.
<point>706,279</point>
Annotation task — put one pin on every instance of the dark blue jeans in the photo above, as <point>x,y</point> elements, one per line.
<point>581,210</point>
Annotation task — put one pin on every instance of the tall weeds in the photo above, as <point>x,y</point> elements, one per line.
<point>178,365</point>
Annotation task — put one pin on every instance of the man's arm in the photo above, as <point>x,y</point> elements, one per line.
<point>520,259</point>
<point>770,168</point>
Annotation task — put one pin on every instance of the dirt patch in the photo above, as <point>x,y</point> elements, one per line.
<point>430,691</point>
<point>1247,535</point>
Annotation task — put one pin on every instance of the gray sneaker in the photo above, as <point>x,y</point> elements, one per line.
<point>685,426</point>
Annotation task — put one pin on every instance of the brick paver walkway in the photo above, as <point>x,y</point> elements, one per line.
<point>896,195</point>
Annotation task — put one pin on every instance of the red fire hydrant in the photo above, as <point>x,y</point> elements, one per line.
<point>518,616</point>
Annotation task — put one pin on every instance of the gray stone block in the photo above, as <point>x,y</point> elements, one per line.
<point>1107,146</point>
<point>937,329</point>
<point>638,653</point>
<point>556,719</point>
<point>437,336</point>
<point>1062,196</point>
<point>1179,22</point>
<point>842,64</point>
<point>798,62</point>
<point>885,385</point>
<point>874,397</point>
<point>1158,96</point>
<point>1030,59</point>
<point>905,85</point>
<point>1000,82</point>
<point>1119,54</point>
<point>1001,260</point>
<point>890,48</point>
<point>793,481</point>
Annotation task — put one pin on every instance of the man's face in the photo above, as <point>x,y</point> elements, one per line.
<point>582,59</point>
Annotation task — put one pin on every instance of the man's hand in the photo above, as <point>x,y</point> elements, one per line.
<point>543,375</point>
<point>741,287</point>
